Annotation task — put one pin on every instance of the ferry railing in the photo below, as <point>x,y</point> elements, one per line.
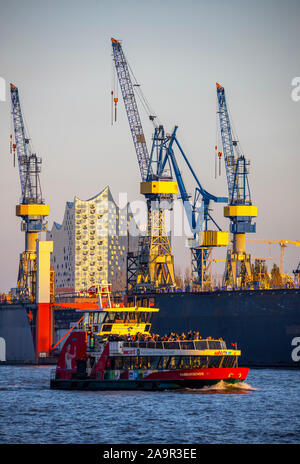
<point>178,345</point>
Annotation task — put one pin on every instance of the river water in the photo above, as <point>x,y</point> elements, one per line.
<point>265,409</point>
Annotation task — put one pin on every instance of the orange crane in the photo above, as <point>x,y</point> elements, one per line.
<point>283,244</point>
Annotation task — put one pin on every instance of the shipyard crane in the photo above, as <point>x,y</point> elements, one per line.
<point>31,208</point>
<point>199,219</point>
<point>282,243</point>
<point>153,266</point>
<point>239,210</point>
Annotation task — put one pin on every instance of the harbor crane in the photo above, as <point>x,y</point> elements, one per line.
<point>239,210</point>
<point>35,277</point>
<point>153,266</point>
<point>199,218</point>
<point>31,209</point>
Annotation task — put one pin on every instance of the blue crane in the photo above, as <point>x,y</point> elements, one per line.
<point>199,218</point>
<point>153,267</point>
<point>240,210</point>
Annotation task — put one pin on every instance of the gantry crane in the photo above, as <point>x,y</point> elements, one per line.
<point>240,210</point>
<point>32,208</point>
<point>282,243</point>
<point>153,266</point>
<point>199,218</point>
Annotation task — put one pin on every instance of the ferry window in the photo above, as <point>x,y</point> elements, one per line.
<point>145,303</point>
<point>174,361</point>
<point>154,360</point>
<point>201,345</point>
<point>143,362</point>
<point>100,317</point>
<point>214,344</point>
<point>148,317</point>
<point>203,362</point>
<point>116,362</point>
<point>131,317</point>
<point>172,345</point>
<point>86,318</point>
<point>187,345</point>
<point>106,327</point>
<point>225,361</point>
<point>214,361</point>
<point>185,362</point>
<point>129,362</point>
<point>195,362</point>
<point>229,361</point>
<point>110,316</point>
<point>199,362</point>
<point>163,362</point>
<point>142,317</point>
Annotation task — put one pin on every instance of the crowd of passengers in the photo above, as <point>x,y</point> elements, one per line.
<point>172,337</point>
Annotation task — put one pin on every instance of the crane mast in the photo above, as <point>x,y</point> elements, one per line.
<point>31,209</point>
<point>153,266</point>
<point>240,210</point>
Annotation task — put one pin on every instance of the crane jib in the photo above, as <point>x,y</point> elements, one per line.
<point>19,131</point>
<point>131,108</point>
<point>29,164</point>
<point>227,141</point>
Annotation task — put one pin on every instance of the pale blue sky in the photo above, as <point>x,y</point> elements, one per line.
<point>59,55</point>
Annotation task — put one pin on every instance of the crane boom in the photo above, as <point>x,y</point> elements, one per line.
<point>227,140</point>
<point>29,164</point>
<point>206,196</point>
<point>131,108</point>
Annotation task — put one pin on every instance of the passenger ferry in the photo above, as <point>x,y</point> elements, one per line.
<point>112,348</point>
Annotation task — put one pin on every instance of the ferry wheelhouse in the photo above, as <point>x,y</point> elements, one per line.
<point>112,348</point>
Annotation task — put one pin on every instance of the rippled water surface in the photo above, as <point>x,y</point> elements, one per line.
<point>264,410</point>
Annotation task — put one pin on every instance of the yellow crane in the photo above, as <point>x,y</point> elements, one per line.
<point>282,243</point>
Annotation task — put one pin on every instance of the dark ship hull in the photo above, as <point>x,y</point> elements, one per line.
<point>17,333</point>
<point>265,324</point>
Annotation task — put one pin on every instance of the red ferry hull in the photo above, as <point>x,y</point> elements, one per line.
<point>160,380</point>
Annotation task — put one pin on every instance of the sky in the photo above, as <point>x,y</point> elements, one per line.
<point>58,54</point>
